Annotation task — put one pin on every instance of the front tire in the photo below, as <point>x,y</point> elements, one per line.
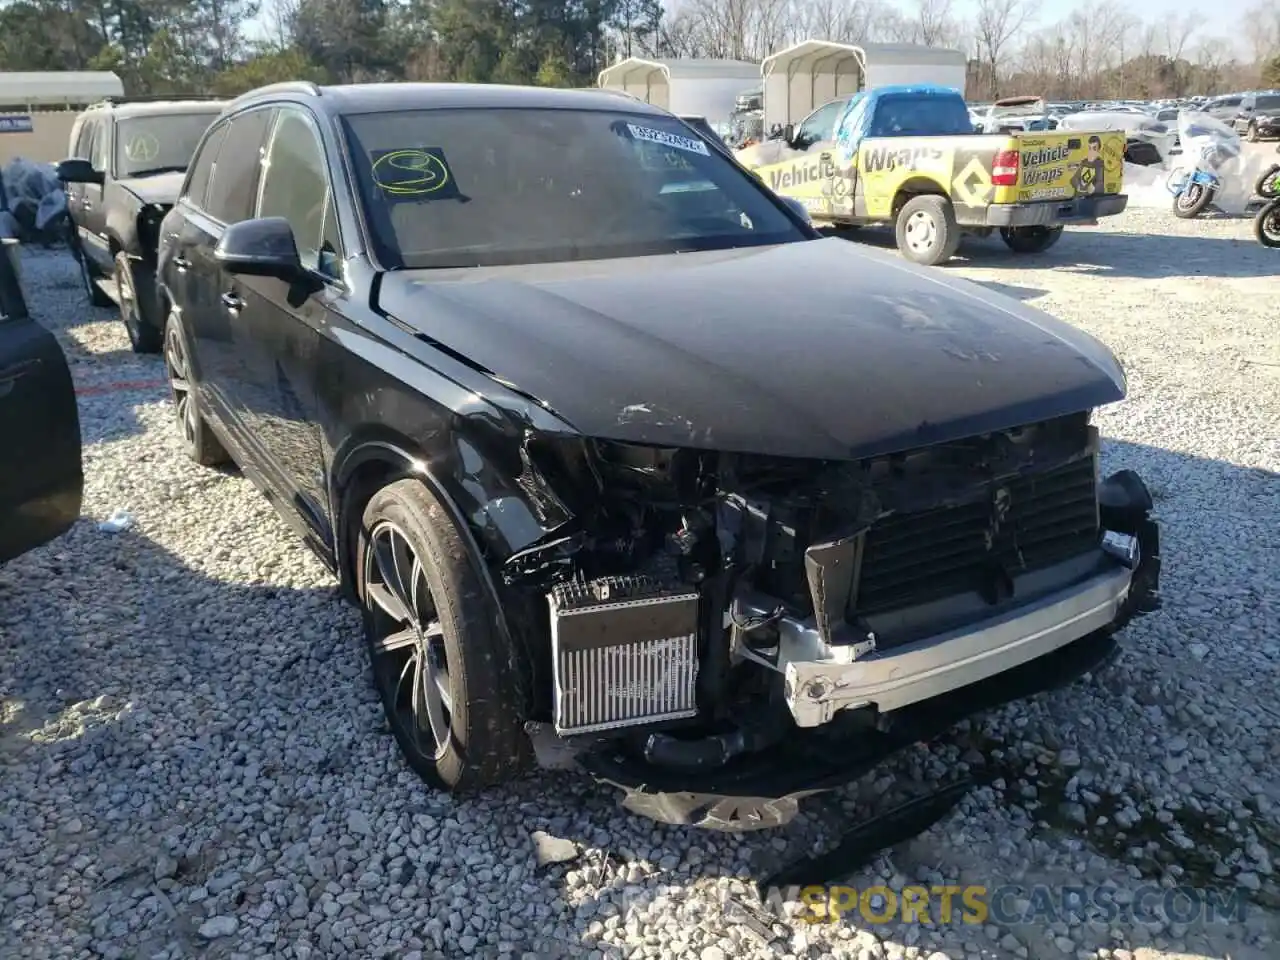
<point>1252,133</point>
<point>1266,225</point>
<point>440,665</point>
<point>144,335</point>
<point>198,439</point>
<point>1030,239</point>
<point>926,230</point>
<point>1192,201</point>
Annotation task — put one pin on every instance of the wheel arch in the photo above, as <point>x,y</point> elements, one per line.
<point>915,187</point>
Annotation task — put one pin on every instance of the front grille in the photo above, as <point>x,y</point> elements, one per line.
<point>914,558</point>
<point>624,653</point>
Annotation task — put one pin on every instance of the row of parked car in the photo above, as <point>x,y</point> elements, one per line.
<point>525,368</point>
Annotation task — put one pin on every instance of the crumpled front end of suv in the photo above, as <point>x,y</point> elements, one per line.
<point>727,633</point>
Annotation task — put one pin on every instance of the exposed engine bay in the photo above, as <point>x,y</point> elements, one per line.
<point>716,621</point>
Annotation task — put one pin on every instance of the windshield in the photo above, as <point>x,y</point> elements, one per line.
<point>461,187</point>
<point>160,142</point>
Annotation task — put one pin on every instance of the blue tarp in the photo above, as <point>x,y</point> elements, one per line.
<point>862,119</point>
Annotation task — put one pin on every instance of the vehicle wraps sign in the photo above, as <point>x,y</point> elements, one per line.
<point>16,123</point>
<point>1062,167</point>
<point>884,166</point>
<point>882,156</point>
<point>816,179</point>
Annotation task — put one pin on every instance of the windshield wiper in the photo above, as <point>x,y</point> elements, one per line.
<point>151,171</point>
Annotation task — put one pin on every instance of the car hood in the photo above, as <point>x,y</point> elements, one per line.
<point>160,188</point>
<point>810,349</point>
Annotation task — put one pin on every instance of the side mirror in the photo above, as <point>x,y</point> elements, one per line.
<point>789,133</point>
<point>77,170</point>
<point>260,248</point>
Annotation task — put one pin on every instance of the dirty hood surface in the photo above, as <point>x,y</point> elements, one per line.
<point>159,188</point>
<point>812,349</point>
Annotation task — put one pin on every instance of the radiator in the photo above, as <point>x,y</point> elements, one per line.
<point>624,654</point>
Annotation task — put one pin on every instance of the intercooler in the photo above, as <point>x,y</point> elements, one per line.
<point>624,653</point>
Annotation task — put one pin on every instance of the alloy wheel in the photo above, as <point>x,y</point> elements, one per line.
<point>406,642</point>
<point>1190,196</point>
<point>179,370</point>
<point>127,295</point>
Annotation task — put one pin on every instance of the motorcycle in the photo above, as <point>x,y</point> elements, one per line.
<point>1266,225</point>
<point>1208,145</point>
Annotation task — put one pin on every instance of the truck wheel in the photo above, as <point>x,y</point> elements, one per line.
<point>446,682</point>
<point>144,336</point>
<point>1030,239</point>
<point>1252,133</point>
<point>926,230</point>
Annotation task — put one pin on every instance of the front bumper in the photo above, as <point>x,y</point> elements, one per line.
<point>817,689</point>
<point>1045,213</point>
<point>916,691</point>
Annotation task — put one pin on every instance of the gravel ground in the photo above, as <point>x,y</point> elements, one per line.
<point>192,761</point>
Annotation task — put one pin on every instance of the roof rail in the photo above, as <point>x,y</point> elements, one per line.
<point>286,86</point>
<point>155,98</point>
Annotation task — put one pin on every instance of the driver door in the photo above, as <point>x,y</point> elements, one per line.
<point>814,178</point>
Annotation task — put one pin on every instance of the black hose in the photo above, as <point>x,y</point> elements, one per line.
<point>664,750</point>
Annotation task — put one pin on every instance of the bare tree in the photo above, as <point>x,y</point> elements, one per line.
<point>1211,57</point>
<point>934,24</point>
<point>998,22</point>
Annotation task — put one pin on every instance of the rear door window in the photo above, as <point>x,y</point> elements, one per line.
<point>233,184</point>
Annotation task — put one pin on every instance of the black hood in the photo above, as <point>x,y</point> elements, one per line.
<point>162,188</point>
<point>812,349</point>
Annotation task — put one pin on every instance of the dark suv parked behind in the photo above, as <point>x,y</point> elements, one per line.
<point>127,160</point>
<point>1259,116</point>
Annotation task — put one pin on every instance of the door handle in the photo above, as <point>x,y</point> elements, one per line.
<point>86,204</point>
<point>181,264</point>
<point>232,301</point>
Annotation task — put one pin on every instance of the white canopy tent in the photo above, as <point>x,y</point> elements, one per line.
<point>704,88</point>
<point>61,88</point>
<point>803,77</point>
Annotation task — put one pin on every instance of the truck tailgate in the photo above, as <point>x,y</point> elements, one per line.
<point>1057,166</point>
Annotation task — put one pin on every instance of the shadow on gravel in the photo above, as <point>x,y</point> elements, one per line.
<point>1099,253</point>
<point>109,409</point>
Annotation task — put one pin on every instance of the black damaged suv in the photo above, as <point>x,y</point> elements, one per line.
<point>529,369</point>
<point>127,159</point>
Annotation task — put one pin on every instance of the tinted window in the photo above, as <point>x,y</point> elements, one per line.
<point>161,143</point>
<point>821,124</point>
<point>295,185</point>
<point>475,187</point>
<point>233,185</point>
<point>906,115</point>
<point>202,167</point>
<point>1268,103</point>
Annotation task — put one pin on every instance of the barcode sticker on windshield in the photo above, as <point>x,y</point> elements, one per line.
<point>668,139</point>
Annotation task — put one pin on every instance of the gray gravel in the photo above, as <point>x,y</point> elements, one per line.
<point>192,762</point>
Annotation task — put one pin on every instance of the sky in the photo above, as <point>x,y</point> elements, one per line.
<point>1228,21</point>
